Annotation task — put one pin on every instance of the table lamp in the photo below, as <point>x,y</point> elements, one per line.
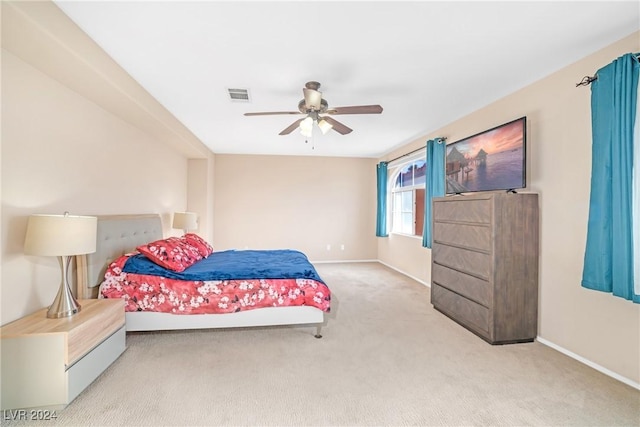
<point>185,221</point>
<point>63,236</point>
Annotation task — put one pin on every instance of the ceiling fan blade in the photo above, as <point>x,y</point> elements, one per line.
<point>271,113</point>
<point>312,99</point>
<point>358,109</point>
<point>337,126</point>
<point>291,127</point>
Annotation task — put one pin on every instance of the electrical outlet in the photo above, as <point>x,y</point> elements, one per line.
<point>342,247</point>
<point>328,247</point>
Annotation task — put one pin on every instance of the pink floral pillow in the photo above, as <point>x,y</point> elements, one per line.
<point>172,253</point>
<point>203,246</point>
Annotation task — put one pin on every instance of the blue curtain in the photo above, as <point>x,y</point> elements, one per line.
<point>381,219</point>
<point>434,183</point>
<point>609,258</point>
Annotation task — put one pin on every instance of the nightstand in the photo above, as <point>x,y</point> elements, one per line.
<point>46,363</point>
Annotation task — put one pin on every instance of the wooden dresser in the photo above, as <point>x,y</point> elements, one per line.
<point>46,363</point>
<point>484,264</point>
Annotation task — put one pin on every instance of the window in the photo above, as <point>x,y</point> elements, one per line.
<point>407,197</point>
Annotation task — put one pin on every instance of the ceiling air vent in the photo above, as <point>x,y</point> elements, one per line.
<point>239,95</point>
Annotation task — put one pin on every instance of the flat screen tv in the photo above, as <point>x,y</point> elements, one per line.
<point>491,160</point>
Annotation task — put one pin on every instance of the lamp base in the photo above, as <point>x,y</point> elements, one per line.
<point>56,311</point>
<point>64,305</point>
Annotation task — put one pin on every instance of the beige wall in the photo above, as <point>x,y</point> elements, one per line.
<point>200,193</point>
<point>406,254</point>
<point>304,203</point>
<point>61,152</point>
<point>595,326</point>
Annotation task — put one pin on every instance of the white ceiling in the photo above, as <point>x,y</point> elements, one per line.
<point>427,63</point>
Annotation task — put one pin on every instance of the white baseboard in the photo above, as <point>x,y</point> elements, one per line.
<point>343,261</point>
<point>589,363</point>
<point>428,285</point>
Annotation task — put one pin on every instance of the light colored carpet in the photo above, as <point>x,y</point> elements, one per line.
<point>387,358</point>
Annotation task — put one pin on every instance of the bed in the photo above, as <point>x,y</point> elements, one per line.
<point>118,236</point>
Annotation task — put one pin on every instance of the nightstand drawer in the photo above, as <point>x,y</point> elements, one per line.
<point>87,369</point>
<point>100,319</point>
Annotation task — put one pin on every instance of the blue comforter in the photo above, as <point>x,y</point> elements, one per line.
<point>226,265</point>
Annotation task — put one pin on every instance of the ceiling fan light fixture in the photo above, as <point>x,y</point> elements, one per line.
<point>324,126</point>
<point>306,127</point>
<point>307,123</point>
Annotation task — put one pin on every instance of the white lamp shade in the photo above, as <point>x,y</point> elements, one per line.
<point>60,235</point>
<point>185,220</point>
<point>324,126</point>
<point>306,127</point>
<point>307,123</point>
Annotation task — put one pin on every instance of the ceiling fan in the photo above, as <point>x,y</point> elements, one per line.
<point>317,111</point>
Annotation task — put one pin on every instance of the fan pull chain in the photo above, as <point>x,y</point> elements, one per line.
<point>313,142</point>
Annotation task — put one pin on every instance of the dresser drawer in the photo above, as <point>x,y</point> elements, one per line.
<point>467,261</point>
<point>469,236</point>
<point>464,311</point>
<point>463,210</point>
<point>471,287</point>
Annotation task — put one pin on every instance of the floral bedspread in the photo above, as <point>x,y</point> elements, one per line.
<point>160,294</point>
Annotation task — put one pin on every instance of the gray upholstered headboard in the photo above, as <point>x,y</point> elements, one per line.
<point>117,235</point>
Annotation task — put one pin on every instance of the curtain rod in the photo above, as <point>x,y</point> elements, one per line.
<point>587,80</point>
<point>441,138</point>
